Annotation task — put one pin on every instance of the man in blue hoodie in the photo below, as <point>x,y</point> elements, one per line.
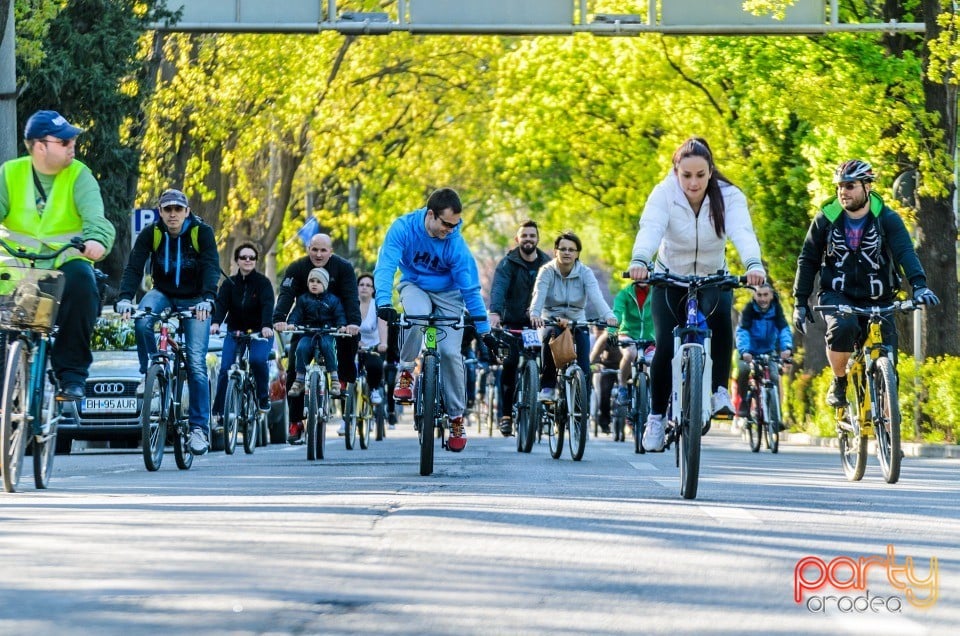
<point>437,273</point>
<point>185,268</point>
<point>763,329</point>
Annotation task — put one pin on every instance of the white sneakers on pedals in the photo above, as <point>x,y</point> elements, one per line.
<point>720,403</point>
<point>654,434</point>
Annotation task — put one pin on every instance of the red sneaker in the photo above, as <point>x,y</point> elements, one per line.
<point>458,436</point>
<point>295,433</point>
<point>403,391</point>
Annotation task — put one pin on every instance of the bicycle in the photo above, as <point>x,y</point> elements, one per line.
<point>597,395</point>
<point>360,414</point>
<point>636,409</point>
<point>488,399</point>
<point>875,409</point>
<point>689,407</point>
<point>240,408</point>
<point>162,413</point>
<point>317,404</point>
<point>429,412</point>
<point>764,420</point>
<point>569,415</point>
<point>29,304</point>
<point>525,343</point>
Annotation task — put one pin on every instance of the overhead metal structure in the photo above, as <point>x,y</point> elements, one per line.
<point>515,17</point>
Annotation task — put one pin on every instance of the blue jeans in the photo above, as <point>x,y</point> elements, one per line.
<point>198,339</point>
<point>259,350</point>
<point>305,353</point>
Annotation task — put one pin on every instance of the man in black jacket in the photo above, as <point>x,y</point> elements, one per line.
<point>509,302</point>
<point>185,268</point>
<point>343,285</point>
<point>857,245</point>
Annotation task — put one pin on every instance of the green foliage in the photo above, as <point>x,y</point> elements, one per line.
<point>112,335</point>
<point>941,379</point>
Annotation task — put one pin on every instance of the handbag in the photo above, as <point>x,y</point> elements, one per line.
<point>562,348</point>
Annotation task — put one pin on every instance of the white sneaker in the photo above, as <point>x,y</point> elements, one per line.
<point>720,403</point>
<point>343,429</point>
<point>141,386</point>
<point>198,442</point>
<point>376,396</point>
<point>547,395</point>
<point>654,435</point>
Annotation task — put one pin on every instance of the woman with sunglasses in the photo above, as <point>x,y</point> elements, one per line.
<point>245,300</point>
<point>563,288</point>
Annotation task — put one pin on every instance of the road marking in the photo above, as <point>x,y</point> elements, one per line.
<point>643,466</point>
<point>723,513</point>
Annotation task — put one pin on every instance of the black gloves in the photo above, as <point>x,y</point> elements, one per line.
<point>387,313</point>
<point>492,345</point>
<point>801,316</point>
<point>923,296</point>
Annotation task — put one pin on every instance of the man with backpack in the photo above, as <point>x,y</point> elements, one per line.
<point>185,268</point>
<point>857,245</point>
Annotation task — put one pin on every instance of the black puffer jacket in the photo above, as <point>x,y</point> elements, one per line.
<point>512,287</point>
<point>246,302</point>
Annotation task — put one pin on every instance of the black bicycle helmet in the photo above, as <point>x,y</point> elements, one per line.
<point>853,170</point>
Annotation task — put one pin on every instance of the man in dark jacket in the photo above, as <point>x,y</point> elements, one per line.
<point>857,245</point>
<point>185,268</point>
<point>343,285</point>
<point>510,297</point>
<point>763,329</point>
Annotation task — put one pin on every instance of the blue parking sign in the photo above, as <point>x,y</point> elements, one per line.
<point>139,219</point>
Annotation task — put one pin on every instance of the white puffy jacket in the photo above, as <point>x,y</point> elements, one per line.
<point>687,244</point>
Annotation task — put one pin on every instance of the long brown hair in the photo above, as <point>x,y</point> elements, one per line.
<point>698,147</point>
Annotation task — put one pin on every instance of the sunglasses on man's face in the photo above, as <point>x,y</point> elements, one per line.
<point>446,224</point>
<point>173,209</point>
<point>848,185</point>
<point>66,143</point>
<point>247,257</point>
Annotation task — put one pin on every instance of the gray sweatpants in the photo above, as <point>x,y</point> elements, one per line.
<point>418,302</point>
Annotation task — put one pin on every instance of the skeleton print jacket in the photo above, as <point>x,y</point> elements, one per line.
<point>870,272</point>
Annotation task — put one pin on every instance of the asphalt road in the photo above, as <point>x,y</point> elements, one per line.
<point>494,542</point>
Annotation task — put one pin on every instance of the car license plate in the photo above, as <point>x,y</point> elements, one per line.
<point>109,405</point>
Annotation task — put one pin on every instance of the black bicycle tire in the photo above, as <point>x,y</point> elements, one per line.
<point>232,415</point>
<point>527,407</point>
<point>364,413</point>
<point>49,412</point>
<point>182,432</point>
<point>887,420</point>
<point>154,437</point>
<point>579,416</point>
<point>691,423</point>
<point>754,421</point>
<point>640,408</point>
<point>15,434</point>
<point>771,400</point>
<point>429,384</point>
<point>251,417</point>
<point>558,424</point>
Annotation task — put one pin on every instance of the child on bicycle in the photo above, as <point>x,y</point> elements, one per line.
<point>317,308</point>
<point>763,329</point>
<point>631,308</point>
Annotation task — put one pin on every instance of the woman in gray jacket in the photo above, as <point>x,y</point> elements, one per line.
<point>564,287</point>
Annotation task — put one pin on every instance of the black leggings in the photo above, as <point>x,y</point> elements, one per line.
<point>669,307</point>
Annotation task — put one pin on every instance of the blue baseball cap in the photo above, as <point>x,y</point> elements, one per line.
<point>173,197</point>
<point>49,122</point>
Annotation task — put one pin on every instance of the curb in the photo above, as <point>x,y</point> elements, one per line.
<point>910,449</point>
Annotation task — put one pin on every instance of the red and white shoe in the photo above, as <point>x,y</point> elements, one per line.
<point>458,436</point>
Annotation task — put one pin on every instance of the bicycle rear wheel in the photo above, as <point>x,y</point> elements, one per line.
<point>364,415</point>
<point>771,400</point>
<point>886,420</point>
<point>579,414</point>
<point>691,422</point>
<point>15,429</point>
<point>153,417</point>
<point>45,450</point>
<point>380,416</point>
<point>754,419</point>
<point>526,407</point>
<point>232,414</point>
<point>425,409</point>
<point>350,423</point>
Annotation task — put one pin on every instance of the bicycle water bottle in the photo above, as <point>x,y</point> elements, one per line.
<point>695,317</point>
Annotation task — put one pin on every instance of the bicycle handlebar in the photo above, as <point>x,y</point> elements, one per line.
<point>436,320</point>
<point>18,252</point>
<point>875,310</point>
<point>326,331</point>
<point>165,314</point>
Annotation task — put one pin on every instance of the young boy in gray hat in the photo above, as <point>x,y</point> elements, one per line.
<point>317,308</point>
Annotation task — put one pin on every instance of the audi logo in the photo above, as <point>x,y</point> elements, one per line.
<point>108,388</point>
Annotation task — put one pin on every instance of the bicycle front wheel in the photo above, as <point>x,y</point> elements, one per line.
<point>153,417</point>
<point>252,418</point>
<point>886,420</point>
<point>181,428</point>
<point>364,416</point>
<point>557,425</point>
<point>754,420</point>
<point>350,424</point>
<point>232,413</point>
<point>526,409</point>
<point>771,402</point>
<point>579,414</point>
<point>15,429</point>
<point>640,409</point>
<point>316,407</point>
<point>425,407</point>
<point>691,422</point>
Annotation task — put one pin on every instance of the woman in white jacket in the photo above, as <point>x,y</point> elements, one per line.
<point>686,222</point>
<point>563,288</point>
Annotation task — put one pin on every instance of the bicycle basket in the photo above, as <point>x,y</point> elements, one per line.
<point>29,297</point>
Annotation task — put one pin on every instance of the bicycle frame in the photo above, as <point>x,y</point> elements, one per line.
<point>317,402</point>
<point>638,408</point>
<point>873,408</point>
